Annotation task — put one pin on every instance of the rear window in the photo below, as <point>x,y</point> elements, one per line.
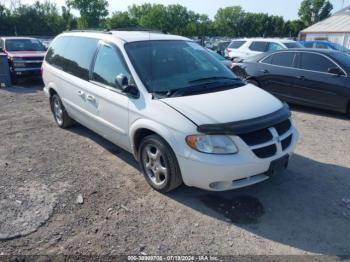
<point>259,46</point>
<point>73,55</point>
<point>236,44</point>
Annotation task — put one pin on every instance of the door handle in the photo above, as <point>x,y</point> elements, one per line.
<point>90,98</point>
<point>80,93</point>
<point>265,71</point>
<point>301,77</point>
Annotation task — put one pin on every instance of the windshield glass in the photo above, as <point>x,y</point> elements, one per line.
<point>216,55</point>
<point>342,58</point>
<point>293,45</point>
<point>24,45</point>
<point>165,66</point>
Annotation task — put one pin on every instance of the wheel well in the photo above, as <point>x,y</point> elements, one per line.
<point>139,135</point>
<point>52,92</point>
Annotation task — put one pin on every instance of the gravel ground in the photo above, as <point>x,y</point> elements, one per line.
<point>71,192</point>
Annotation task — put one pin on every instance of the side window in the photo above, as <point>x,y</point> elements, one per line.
<point>79,53</point>
<point>109,64</point>
<point>283,59</point>
<point>274,47</point>
<point>259,46</point>
<point>236,44</point>
<point>316,62</point>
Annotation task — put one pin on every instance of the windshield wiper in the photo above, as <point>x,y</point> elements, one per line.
<point>211,78</point>
<point>206,88</point>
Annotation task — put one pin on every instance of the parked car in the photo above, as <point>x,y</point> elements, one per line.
<point>222,59</point>
<point>318,78</point>
<point>220,47</point>
<point>25,56</point>
<point>181,112</point>
<point>325,45</point>
<point>243,48</point>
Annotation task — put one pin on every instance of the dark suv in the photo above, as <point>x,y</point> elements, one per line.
<point>25,56</point>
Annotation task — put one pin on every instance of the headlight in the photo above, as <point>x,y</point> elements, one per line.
<point>212,144</point>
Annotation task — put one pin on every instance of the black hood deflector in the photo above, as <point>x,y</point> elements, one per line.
<point>247,126</point>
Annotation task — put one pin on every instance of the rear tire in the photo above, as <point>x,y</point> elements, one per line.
<point>60,114</point>
<point>253,82</point>
<point>159,164</point>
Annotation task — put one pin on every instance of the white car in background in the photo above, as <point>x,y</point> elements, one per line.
<point>182,114</point>
<point>243,48</point>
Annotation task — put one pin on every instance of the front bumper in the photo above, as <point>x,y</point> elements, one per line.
<point>227,172</point>
<point>27,72</point>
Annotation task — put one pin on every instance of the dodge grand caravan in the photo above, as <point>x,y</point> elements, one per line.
<point>185,116</point>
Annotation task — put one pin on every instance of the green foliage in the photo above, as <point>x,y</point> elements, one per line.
<point>46,19</point>
<point>91,11</point>
<point>37,19</point>
<point>120,20</point>
<point>313,11</point>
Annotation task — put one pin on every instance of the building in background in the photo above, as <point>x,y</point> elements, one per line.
<point>335,29</point>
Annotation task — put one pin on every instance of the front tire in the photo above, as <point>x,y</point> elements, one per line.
<point>59,112</point>
<point>159,164</point>
<point>14,78</point>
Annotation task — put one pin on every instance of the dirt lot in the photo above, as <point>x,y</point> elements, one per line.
<point>44,169</point>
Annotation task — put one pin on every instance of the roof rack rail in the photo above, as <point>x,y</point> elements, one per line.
<point>105,31</point>
<point>141,29</point>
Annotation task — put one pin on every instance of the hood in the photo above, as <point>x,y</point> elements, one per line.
<point>232,105</point>
<point>25,53</point>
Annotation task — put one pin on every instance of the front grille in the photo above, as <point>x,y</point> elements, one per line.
<point>36,58</point>
<point>283,127</point>
<point>267,142</point>
<point>265,152</point>
<point>286,142</point>
<point>257,137</point>
<point>33,65</point>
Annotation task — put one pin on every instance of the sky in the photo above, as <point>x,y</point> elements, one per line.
<point>286,8</point>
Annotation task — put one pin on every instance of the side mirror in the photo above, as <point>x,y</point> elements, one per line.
<point>336,71</point>
<point>122,82</point>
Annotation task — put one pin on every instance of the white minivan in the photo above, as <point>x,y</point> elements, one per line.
<point>184,116</point>
<point>247,47</point>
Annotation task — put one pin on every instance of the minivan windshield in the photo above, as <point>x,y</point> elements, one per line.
<point>168,66</point>
<point>24,45</point>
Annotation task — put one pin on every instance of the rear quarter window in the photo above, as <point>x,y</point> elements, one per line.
<point>236,44</point>
<point>73,55</point>
<point>259,46</point>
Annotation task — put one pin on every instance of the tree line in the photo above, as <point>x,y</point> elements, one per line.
<point>47,19</point>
